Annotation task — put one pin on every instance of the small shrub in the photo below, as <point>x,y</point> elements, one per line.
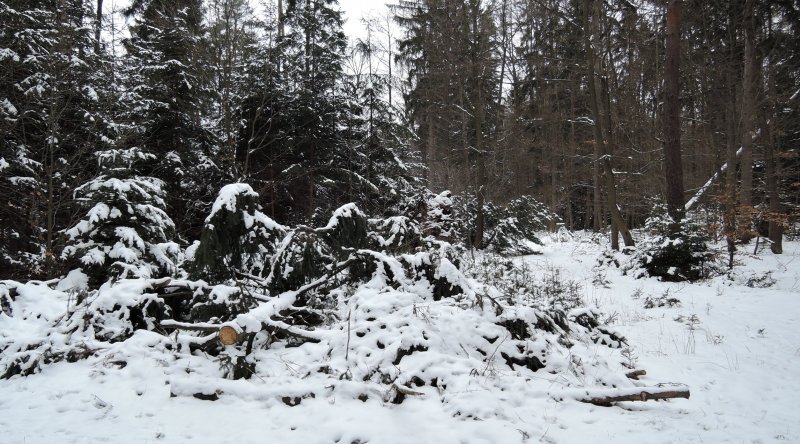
<point>674,257</point>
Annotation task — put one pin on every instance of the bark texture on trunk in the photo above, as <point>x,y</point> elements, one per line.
<point>673,165</point>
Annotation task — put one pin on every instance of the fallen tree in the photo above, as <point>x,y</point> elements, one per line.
<point>354,306</point>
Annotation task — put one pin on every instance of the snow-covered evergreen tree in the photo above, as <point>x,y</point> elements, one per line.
<point>51,120</point>
<point>313,139</point>
<point>125,233</point>
<point>380,152</point>
<point>236,236</point>
<point>236,56</point>
<point>168,91</point>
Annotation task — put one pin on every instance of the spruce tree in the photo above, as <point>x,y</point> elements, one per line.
<point>314,138</point>
<point>236,237</point>
<point>168,91</point>
<point>125,232</point>
<point>295,130</point>
<point>51,120</point>
<point>236,57</point>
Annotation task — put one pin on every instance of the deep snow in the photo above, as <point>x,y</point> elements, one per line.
<point>737,347</point>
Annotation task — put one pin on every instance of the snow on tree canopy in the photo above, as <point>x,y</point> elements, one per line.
<point>366,324</point>
<point>125,231</point>
<point>236,236</point>
<point>227,198</point>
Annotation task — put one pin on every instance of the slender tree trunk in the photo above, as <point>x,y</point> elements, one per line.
<point>601,147</point>
<point>390,83</point>
<point>280,20</point>
<point>465,136</point>
<point>730,178</point>
<point>673,166</point>
<point>503,51</point>
<point>773,172</point>
<point>429,146</point>
<point>98,26</point>
<point>481,173</point>
<point>481,179</point>
<point>597,197</point>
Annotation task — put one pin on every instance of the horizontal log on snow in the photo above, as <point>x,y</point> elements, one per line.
<point>289,330</point>
<point>155,284</point>
<point>605,397</point>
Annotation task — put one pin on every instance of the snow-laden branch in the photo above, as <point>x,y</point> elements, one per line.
<point>700,192</point>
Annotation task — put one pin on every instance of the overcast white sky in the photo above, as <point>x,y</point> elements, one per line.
<point>354,11</point>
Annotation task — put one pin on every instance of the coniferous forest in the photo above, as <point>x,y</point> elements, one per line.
<point>240,192</point>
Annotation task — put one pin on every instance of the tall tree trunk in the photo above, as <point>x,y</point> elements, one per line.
<point>748,117</point>
<point>673,166</point>
<point>748,103</point>
<point>98,26</point>
<point>600,143</point>
<point>597,197</point>
<point>730,178</point>
<point>773,172</point>
<point>481,173</point>
<point>479,109</point>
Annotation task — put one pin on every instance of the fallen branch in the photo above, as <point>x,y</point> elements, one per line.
<point>177,294</point>
<point>702,190</point>
<point>260,281</point>
<point>289,330</point>
<point>200,326</point>
<point>324,279</point>
<point>155,284</point>
<point>606,397</point>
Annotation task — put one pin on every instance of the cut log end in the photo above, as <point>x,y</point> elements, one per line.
<point>228,335</point>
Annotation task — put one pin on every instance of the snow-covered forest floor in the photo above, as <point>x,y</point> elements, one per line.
<point>733,339</point>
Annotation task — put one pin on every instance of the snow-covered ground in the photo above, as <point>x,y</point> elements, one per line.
<point>736,346</point>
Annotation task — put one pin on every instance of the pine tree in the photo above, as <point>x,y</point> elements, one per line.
<point>449,51</point>
<point>236,56</point>
<point>381,154</point>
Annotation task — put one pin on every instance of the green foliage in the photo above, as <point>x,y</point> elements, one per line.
<point>302,257</point>
<point>52,117</point>
<point>347,229</point>
<point>125,233</point>
<point>674,257</point>
<point>509,230</point>
<point>307,254</point>
<point>398,234</point>
<point>517,224</point>
<point>166,90</point>
<point>236,236</point>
